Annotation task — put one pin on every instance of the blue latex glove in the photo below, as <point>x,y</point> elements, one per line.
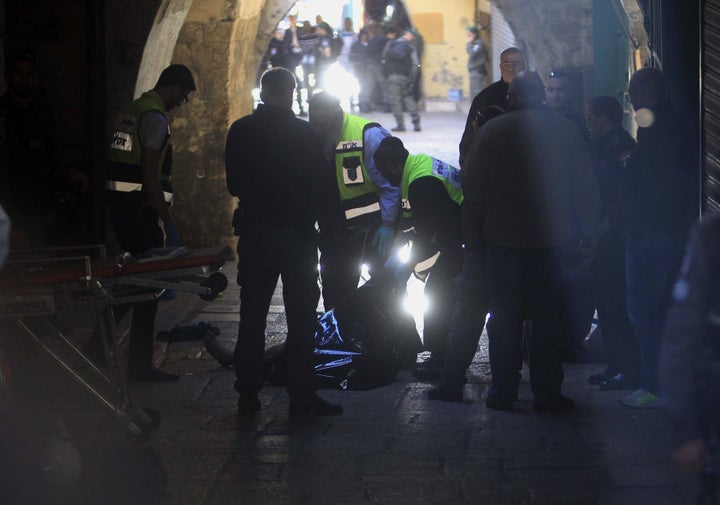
<point>172,238</point>
<point>383,239</point>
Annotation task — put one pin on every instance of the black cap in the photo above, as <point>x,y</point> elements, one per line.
<point>177,74</point>
<point>390,149</point>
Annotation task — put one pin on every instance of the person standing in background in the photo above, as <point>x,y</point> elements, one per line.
<point>477,52</point>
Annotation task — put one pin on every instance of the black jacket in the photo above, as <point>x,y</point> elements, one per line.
<point>274,165</point>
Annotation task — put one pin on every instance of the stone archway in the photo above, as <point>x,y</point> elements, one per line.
<point>210,37</point>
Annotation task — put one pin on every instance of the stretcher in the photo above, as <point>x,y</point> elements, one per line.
<point>36,284</point>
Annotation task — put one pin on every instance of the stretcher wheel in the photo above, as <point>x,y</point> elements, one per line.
<point>141,426</point>
<point>217,283</point>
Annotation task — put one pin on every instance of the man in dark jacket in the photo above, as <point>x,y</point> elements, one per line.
<point>274,165</point>
<point>657,203</point>
<point>400,65</point>
<point>609,144</point>
<point>527,181</point>
<point>512,62</point>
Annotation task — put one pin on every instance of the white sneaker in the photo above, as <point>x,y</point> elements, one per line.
<point>641,399</point>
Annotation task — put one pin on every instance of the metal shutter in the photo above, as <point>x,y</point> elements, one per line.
<point>711,105</point>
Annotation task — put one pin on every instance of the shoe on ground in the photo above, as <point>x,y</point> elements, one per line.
<point>150,374</point>
<point>399,128</point>
<point>598,378</point>
<point>641,399</point>
<point>619,382</point>
<point>446,393</point>
<point>498,404</point>
<point>562,403</point>
<point>428,370</point>
<point>314,406</point>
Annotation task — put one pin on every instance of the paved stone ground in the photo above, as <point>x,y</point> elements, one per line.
<point>392,445</point>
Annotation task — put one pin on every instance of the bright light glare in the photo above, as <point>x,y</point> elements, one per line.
<point>341,83</point>
<point>404,253</point>
<point>416,303</point>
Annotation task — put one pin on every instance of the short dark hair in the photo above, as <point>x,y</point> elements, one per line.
<point>277,81</point>
<point>324,100</point>
<point>391,149</point>
<point>607,106</point>
<point>650,80</point>
<point>177,75</point>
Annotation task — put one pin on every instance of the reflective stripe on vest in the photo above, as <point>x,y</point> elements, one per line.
<point>422,165</point>
<point>129,187</point>
<point>358,194</point>
<point>124,173</point>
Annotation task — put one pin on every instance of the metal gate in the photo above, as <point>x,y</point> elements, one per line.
<point>711,104</point>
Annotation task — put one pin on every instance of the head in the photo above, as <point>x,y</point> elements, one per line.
<point>175,85</point>
<point>363,35</point>
<point>292,19</point>
<point>277,87</point>
<point>390,158</point>
<point>326,115</point>
<point>321,30</point>
<point>558,92</point>
<point>408,35</point>
<point>348,24</point>
<point>512,62</point>
<point>279,34</point>
<point>603,114</point>
<point>472,33</point>
<point>22,75</point>
<point>526,91</point>
<point>646,88</point>
<point>391,33</point>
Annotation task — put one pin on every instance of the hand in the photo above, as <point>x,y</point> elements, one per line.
<point>172,238</point>
<point>383,239</point>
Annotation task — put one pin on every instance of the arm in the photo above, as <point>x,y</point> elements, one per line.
<point>469,132</point>
<point>152,131</point>
<point>388,194</point>
<point>434,217</point>
<point>682,342</point>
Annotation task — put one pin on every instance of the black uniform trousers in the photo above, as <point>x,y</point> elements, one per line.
<point>266,253</point>
<point>342,254</point>
<point>137,229</point>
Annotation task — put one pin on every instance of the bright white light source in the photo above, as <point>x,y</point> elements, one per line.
<point>341,83</point>
<point>404,253</point>
<point>416,303</point>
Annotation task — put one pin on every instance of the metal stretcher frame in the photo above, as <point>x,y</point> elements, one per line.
<point>34,280</point>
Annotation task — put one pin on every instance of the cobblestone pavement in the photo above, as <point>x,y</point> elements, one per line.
<point>392,445</point>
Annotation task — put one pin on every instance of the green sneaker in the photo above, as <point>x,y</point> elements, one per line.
<point>641,399</point>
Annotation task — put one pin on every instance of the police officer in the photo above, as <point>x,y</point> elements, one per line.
<point>431,200</point>
<point>276,232</point>
<point>401,65</point>
<point>140,191</point>
<point>366,205</point>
